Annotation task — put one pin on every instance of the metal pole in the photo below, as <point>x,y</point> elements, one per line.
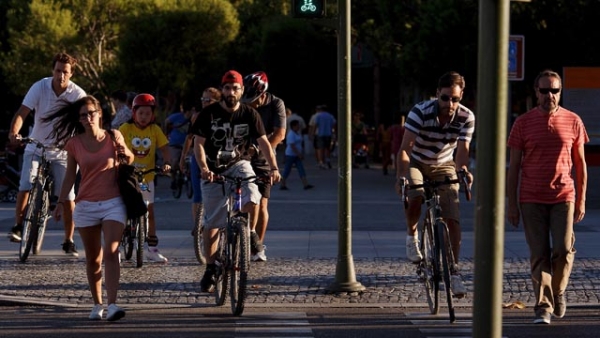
<point>345,277</point>
<point>491,171</point>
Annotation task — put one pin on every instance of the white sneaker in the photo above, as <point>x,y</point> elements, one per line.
<point>458,288</point>
<point>260,256</point>
<point>412,249</point>
<point>114,313</point>
<point>97,312</point>
<point>154,255</point>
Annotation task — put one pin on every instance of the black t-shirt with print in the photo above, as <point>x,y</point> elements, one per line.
<point>229,136</point>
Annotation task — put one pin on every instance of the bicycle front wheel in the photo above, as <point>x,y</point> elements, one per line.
<point>30,221</point>
<point>177,184</point>
<point>189,190</point>
<point>43,215</point>
<point>444,242</point>
<point>240,266</point>
<point>199,244</point>
<point>142,230</point>
<point>429,269</point>
<point>222,272</point>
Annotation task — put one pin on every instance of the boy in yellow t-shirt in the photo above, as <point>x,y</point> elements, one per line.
<point>144,137</point>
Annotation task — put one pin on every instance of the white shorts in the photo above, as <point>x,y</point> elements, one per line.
<point>215,202</point>
<point>88,213</point>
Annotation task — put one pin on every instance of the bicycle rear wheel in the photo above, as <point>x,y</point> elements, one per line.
<point>43,215</point>
<point>128,237</point>
<point>30,222</point>
<point>444,242</point>
<point>222,272</point>
<point>142,230</point>
<point>240,265</point>
<point>428,268</point>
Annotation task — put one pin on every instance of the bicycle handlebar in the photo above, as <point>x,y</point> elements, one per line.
<point>462,179</point>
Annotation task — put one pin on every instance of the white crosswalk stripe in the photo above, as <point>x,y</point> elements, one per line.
<point>274,325</point>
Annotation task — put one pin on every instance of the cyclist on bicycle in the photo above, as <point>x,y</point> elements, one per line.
<point>273,115</point>
<point>223,144</point>
<point>434,129</point>
<point>144,138</point>
<point>46,96</point>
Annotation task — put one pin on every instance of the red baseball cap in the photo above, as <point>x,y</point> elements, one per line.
<point>232,77</point>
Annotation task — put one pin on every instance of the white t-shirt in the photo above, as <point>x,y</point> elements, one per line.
<point>44,101</point>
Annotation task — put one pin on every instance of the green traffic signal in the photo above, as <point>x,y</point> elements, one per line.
<point>308,8</point>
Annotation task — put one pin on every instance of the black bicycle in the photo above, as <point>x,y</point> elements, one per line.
<point>438,262</point>
<point>233,254</point>
<point>182,180</point>
<point>136,229</point>
<point>39,203</point>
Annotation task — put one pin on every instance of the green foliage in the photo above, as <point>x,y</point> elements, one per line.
<point>170,46</point>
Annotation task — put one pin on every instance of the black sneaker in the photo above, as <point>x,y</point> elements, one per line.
<point>69,248</point>
<point>255,244</point>
<point>15,233</point>
<point>207,284</point>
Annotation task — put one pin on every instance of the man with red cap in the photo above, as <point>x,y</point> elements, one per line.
<point>223,145</point>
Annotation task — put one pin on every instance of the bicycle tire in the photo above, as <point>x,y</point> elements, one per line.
<point>30,223</point>
<point>128,238</point>
<point>240,266</point>
<point>222,270</point>
<point>43,215</point>
<point>199,244</point>
<point>428,269</point>
<point>142,230</point>
<point>189,190</point>
<point>178,184</point>
<point>444,242</point>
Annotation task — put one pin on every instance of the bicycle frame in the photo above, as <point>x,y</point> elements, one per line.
<point>438,262</point>
<point>39,201</point>
<point>233,256</point>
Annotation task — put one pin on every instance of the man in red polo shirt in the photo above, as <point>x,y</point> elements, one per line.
<point>545,144</point>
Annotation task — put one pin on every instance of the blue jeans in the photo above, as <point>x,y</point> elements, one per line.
<point>289,162</point>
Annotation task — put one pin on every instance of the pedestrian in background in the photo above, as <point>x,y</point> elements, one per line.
<point>546,143</point>
<point>122,111</point>
<point>294,155</point>
<point>100,213</point>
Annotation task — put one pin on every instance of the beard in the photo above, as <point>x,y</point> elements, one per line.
<point>231,101</point>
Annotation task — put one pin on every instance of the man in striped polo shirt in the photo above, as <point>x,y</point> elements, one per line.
<point>546,143</point>
<point>434,129</point>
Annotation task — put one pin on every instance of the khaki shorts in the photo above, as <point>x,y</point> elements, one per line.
<point>215,201</point>
<point>448,193</point>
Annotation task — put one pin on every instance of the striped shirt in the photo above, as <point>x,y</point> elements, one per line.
<point>435,144</point>
<point>547,142</point>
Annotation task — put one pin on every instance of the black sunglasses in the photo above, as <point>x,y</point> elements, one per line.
<point>549,90</point>
<point>447,98</point>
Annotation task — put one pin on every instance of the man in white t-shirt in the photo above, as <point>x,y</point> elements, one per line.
<point>44,97</point>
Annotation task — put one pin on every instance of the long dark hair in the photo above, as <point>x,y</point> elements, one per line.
<point>66,119</point>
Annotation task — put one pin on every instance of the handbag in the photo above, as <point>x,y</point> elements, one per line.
<point>128,186</point>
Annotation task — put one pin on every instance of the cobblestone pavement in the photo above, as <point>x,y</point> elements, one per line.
<point>279,282</point>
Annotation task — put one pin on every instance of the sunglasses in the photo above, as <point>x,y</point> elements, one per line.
<point>549,90</point>
<point>447,98</point>
<point>89,115</point>
<point>206,99</point>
